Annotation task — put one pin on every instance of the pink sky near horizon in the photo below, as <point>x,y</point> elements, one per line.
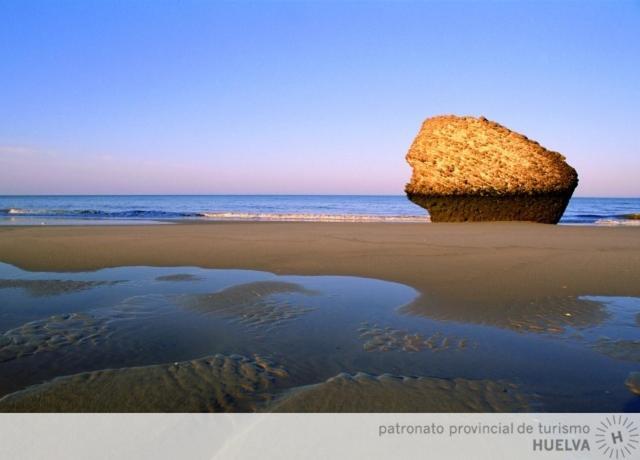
<point>27,172</point>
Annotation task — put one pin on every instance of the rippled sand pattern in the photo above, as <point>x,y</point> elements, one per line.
<point>45,288</point>
<point>51,334</point>
<point>378,339</point>
<point>253,304</point>
<point>554,315</point>
<point>216,383</point>
<point>625,350</point>
<point>549,315</point>
<point>386,393</point>
<point>72,329</point>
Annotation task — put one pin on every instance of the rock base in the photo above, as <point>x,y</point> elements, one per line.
<point>543,208</point>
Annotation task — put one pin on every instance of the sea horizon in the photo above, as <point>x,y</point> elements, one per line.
<point>147,208</point>
<point>10,195</point>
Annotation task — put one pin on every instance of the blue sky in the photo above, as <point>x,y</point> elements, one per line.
<point>304,97</point>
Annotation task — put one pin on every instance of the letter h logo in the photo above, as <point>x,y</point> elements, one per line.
<point>616,437</point>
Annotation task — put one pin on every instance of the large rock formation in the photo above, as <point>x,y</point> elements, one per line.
<point>473,169</point>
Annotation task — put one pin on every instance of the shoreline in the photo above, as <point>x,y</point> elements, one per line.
<point>74,223</point>
<point>34,221</point>
<point>462,268</point>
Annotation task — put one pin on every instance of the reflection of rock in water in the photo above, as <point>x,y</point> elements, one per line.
<point>389,339</point>
<point>44,288</point>
<point>50,334</point>
<point>213,384</point>
<point>633,383</point>
<point>73,329</point>
<point>386,393</point>
<point>178,277</point>
<point>544,315</point>
<point>625,350</point>
<point>253,304</point>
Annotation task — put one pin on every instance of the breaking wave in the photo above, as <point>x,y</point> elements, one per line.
<point>97,214</point>
<point>617,222</point>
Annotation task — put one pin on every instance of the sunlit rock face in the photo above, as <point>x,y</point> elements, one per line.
<point>473,169</point>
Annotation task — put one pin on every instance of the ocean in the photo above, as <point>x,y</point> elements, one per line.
<point>118,209</point>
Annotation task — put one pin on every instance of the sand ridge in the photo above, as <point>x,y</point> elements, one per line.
<point>544,315</point>
<point>217,383</point>
<point>389,393</point>
<point>178,277</point>
<point>45,288</point>
<point>251,304</point>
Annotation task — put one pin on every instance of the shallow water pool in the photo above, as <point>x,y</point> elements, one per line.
<point>192,339</point>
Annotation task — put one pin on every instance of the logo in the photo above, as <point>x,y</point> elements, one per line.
<point>617,437</point>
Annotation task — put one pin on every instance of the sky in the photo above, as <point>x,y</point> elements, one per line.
<point>198,97</point>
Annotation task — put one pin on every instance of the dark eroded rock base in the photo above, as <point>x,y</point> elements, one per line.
<point>545,208</point>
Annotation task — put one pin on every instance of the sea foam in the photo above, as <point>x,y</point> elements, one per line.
<point>299,217</point>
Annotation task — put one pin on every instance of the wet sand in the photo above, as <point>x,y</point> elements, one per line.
<point>239,384</point>
<point>479,270</point>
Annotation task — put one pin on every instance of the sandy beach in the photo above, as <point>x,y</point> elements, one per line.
<point>480,266</point>
<point>549,284</point>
